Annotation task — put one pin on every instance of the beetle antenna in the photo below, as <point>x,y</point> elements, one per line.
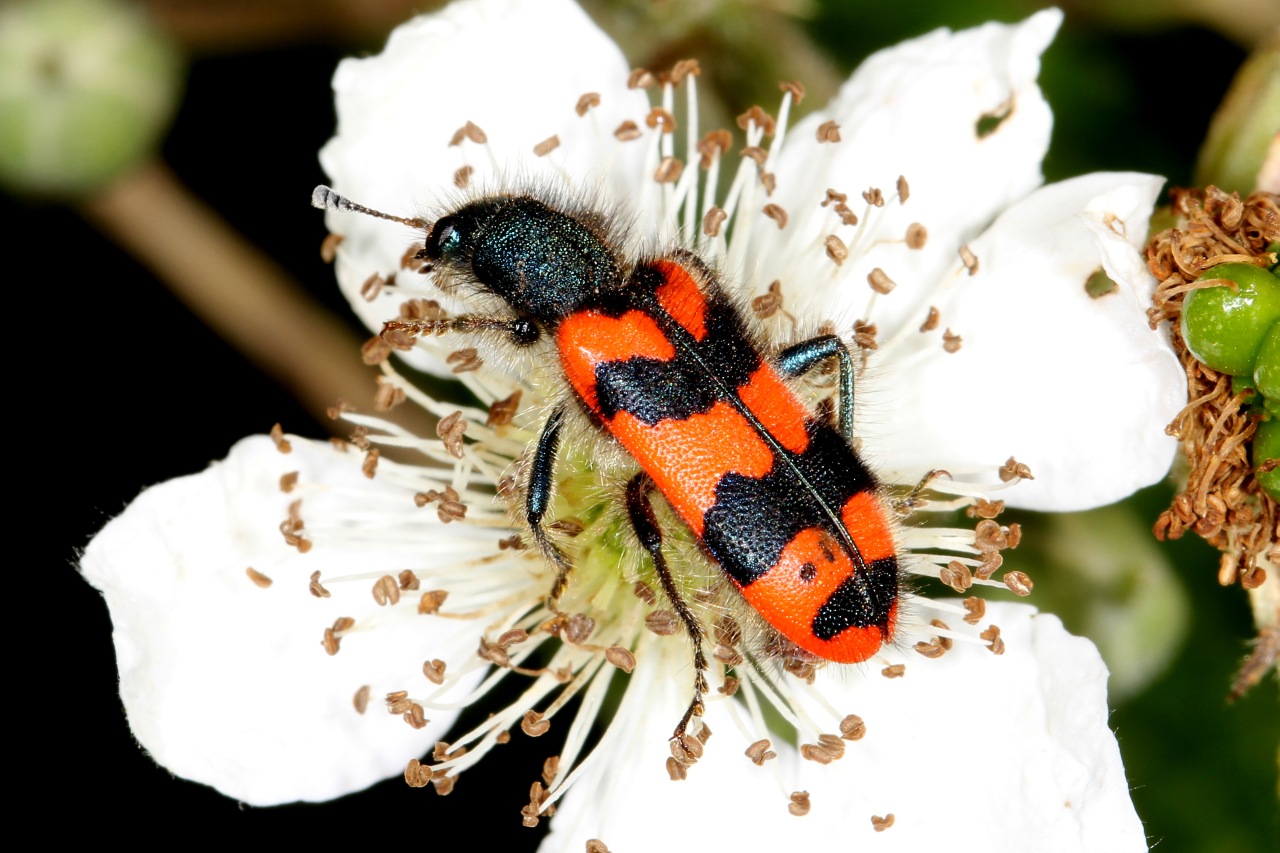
<point>324,198</point>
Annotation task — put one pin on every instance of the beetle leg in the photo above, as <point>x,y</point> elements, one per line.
<point>520,330</point>
<point>538,498</point>
<point>645,523</point>
<point>800,358</point>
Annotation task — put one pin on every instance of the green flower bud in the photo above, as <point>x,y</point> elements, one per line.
<point>1224,326</point>
<point>87,88</point>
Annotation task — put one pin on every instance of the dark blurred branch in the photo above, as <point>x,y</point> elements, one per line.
<point>236,290</point>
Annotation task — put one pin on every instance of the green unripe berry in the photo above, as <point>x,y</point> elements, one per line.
<point>1224,326</point>
<point>1266,370</point>
<point>1266,445</point>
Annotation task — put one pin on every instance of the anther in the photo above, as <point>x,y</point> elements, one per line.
<point>644,592</point>
<point>686,749</point>
<point>917,236</point>
<point>777,214</point>
<point>628,131</point>
<point>388,395</point>
<point>550,769</point>
<point>994,641</point>
<point>945,642</point>
<point>864,335</point>
<point>464,360</point>
<point>713,145</point>
<point>360,701</point>
<point>904,190</point>
<point>546,146</point>
<point>434,671</point>
<point>730,686</point>
<point>416,717</point>
<point>450,430</point>
<point>956,575</point>
<point>531,812</point>
<point>570,527</point>
<point>414,256</point>
<point>1014,470</point>
<point>768,304</point>
<point>931,649</point>
<point>669,170</point>
<point>329,247</point>
<point>640,78</point>
<point>661,622</point>
<point>799,803</point>
<point>874,197</point>
<point>398,702</point>
<point>259,579</point>
<point>991,563</point>
<point>969,259</point>
<point>676,771</point>
<point>622,658</point>
<point>983,508</point>
<point>896,670</point>
<point>282,443</point>
<point>386,591</point>
<point>378,348</point>
<point>369,467</point>
<point>976,607</point>
<point>828,132</point>
<point>660,118</point>
<point>469,131</point>
<point>534,725</point>
<point>462,176</point>
<point>837,251</point>
<point>372,287</point>
<point>951,342</point>
<point>586,102</point>
<point>1018,582</point>
<point>795,87</point>
<point>852,728</point>
<point>502,411</point>
<point>431,602</point>
<point>761,119</point>
<point>417,774</point>
<point>317,589</point>
<point>880,282</point>
<point>727,655</point>
<point>712,221</point>
<point>578,629</point>
<point>815,753</point>
<point>595,845</point>
<point>683,68</point>
<point>882,823</point>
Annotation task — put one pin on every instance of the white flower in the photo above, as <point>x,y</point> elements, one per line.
<point>970,749</point>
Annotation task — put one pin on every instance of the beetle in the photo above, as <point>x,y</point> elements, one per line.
<point>657,354</point>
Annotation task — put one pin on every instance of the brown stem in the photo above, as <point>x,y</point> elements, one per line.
<point>234,288</point>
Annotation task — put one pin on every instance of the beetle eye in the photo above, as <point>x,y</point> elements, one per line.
<point>445,239</point>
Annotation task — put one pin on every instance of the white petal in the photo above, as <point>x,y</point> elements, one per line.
<point>226,683</point>
<point>1079,388</point>
<point>970,752</point>
<point>911,110</point>
<point>502,65</point>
